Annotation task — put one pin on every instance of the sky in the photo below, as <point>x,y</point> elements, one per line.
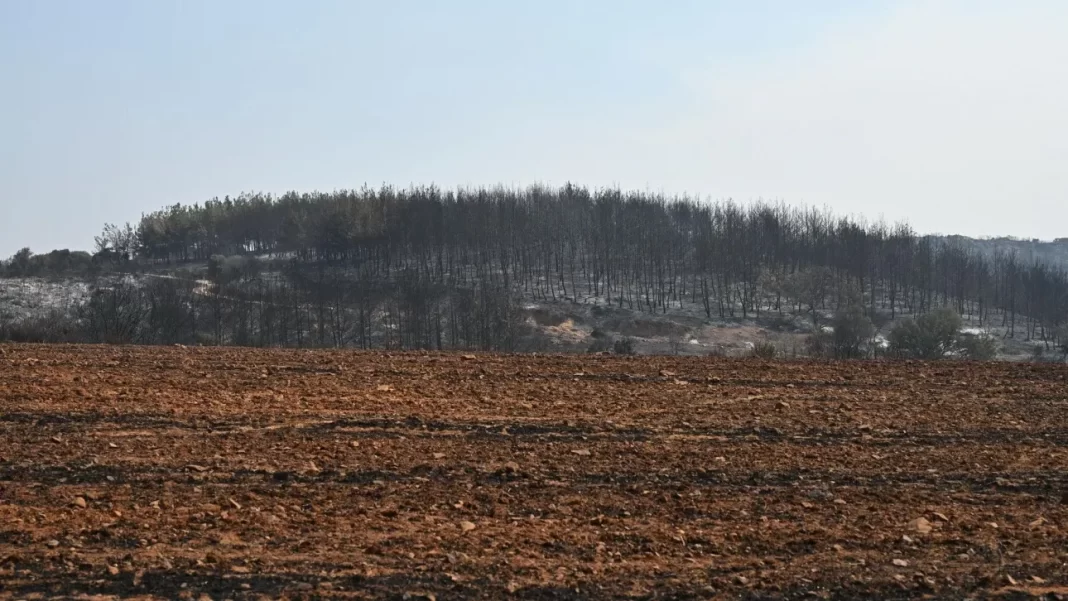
<point>950,115</point>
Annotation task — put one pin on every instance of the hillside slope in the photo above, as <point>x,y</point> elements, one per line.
<point>554,326</point>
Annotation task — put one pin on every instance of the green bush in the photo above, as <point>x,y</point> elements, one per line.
<point>977,347</point>
<point>850,338</point>
<point>852,332</point>
<point>930,336</point>
<point>937,334</point>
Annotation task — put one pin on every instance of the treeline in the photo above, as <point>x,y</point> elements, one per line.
<point>53,264</point>
<point>639,250</point>
<point>355,264</point>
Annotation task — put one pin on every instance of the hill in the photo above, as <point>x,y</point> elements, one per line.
<point>493,268</point>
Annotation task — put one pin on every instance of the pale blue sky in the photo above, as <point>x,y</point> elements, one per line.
<point>948,114</point>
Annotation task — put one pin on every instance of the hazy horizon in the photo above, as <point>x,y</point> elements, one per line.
<point>948,116</point>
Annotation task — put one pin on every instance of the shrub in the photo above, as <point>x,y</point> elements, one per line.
<point>1038,353</point>
<point>880,320</point>
<point>532,342</point>
<point>114,314</point>
<point>624,346</point>
<point>55,326</point>
<point>852,331</point>
<point>930,336</point>
<point>1061,334</point>
<point>782,323</point>
<point>978,347</point>
<point>763,350</point>
<point>819,344</point>
<point>600,344</point>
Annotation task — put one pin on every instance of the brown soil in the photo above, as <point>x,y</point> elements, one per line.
<point>183,472</point>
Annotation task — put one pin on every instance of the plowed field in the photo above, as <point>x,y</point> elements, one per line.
<point>230,473</point>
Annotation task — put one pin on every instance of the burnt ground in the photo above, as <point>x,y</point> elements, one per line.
<point>236,473</point>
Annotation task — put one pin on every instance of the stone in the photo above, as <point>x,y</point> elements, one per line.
<point>920,525</point>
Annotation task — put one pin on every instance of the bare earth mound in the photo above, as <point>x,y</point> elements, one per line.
<point>179,473</point>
